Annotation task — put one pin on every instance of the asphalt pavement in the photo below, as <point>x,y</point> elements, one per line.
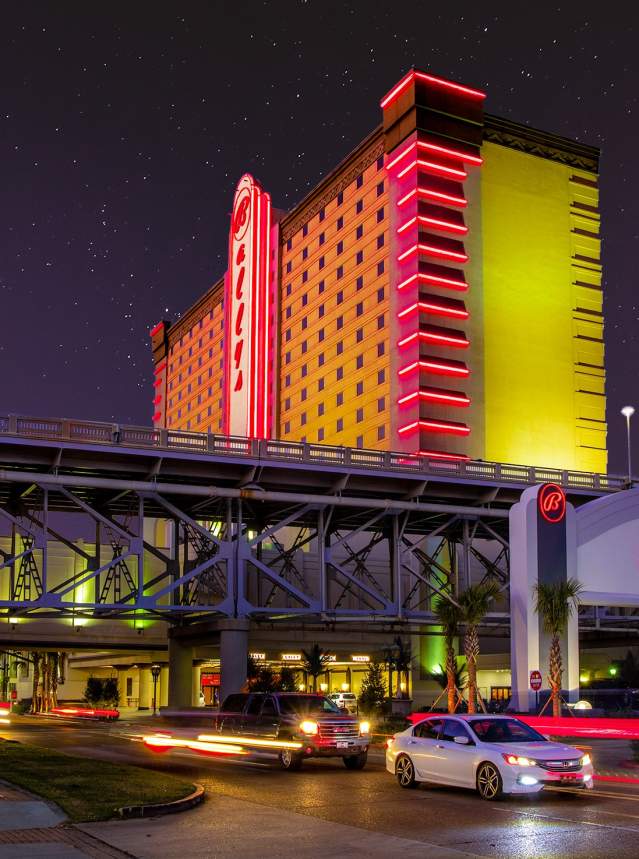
<point>254,809</point>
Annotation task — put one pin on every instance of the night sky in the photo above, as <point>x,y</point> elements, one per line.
<point>124,129</point>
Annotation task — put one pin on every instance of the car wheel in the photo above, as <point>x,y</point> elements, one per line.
<point>489,781</point>
<point>405,772</point>
<point>289,760</point>
<point>356,762</point>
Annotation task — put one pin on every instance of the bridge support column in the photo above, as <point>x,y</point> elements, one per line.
<point>180,674</point>
<point>233,655</point>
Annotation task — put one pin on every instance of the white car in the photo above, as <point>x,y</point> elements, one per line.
<point>493,754</point>
<point>345,701</point>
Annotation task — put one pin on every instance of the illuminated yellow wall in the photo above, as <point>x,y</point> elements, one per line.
<point>544,400</point>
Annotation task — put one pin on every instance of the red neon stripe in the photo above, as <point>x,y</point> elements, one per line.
<point>452,153</point>
<point>433,168</point>
<point>157,400</point>
<point>461,285</point>
<point>156,328</point>
<point>433,222</point>
<point>156,416</point>
<point>441,367</point>
<point>430,194</point>
<point>435,396</point>
<point>401,155</point>
<point>430,250</point>
<point>429,307</point>
<point>435,338</point>
<point>157,383</point>
<point>434,426</point>
<point>161,366</point>
<point>422,76</point>
<point>433,454</point>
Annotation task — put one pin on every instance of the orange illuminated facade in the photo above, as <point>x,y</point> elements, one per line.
<point>438,292</point>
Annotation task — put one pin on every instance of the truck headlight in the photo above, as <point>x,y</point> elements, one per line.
<point>364,727</point>
<point>309,727</point>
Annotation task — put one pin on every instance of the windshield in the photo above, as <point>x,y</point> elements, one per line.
<point>504,731</point>
<point>301,705</point>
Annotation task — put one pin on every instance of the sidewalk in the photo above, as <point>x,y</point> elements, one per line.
<point>34,828</point>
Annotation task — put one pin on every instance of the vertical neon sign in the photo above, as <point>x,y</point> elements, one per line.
<point>248,313</point>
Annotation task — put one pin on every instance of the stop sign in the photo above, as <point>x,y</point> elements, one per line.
<point>535,680</point>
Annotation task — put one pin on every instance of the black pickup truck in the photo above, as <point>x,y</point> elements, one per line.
<point>308,725</point>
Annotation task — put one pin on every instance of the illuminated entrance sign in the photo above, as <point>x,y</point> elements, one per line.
<point>247,313</point>
<point>552,502</point>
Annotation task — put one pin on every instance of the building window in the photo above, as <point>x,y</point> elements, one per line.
<point>320,410</point>
<point>359,283</point>
<point>320,335</point>
<point>287,380</point>
<point>304,323</point>
<point>287,359</point>
<point>359,207</point>
<point>340,222</point>
<point>320,359</point>
<point>340,297</point>
<point>340,198</point>
<point>340,248</point>
<point>380,189</point>
<point>380,215</point>
<point>380,294</point>
<point>289,244</point>
<point>320,384</point>
<point>380,162</point>
<point>380,241</point>
<point>359,308</point>
<point>304,347</point>
<point>359,362</point>
<point>305,299</point>
<point>359,389</point>
<point>287,427</point>
<point>339,399</point>
<point>381,377</point>
<point>321,262</point>
<point>287,404</point>
<point>303,394</point>
<point>359,441</point>
<point>340,272</point>
<point>340,322</point>
<point>322,214</point>
<point>359,416</point>
<point>340,347</point>
<point>359,232</point>
<point>320,311</point>
<point>322,238</point>
<point>289,266</point>
<point>304,370</point>
<point>320,434</point>
<point>359,336</point>
<point>288,335</point>
<point>381,432</point>
<point>380,267</point>
<point>381,348</point>
<point>381,404</point>
<point>303,419</point>
<point>360,180</point>
<point>305,253</point>
<point>339,374</point>
<point>289,288</point>
<point>304,276</point>
<point>320,287</point>
<point>380,322</point>
<point>339,425</point>
<point>359,257</point>
<point>305,230</point>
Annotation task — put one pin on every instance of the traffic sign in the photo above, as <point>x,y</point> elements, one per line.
<point>535,680</point>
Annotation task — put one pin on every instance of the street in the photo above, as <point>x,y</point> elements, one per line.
<point>602,823</point>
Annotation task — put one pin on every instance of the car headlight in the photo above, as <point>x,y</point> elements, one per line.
<point>364,727</point>
<point>519,761</point>
<point>585,760</point>
<point>309,727</point>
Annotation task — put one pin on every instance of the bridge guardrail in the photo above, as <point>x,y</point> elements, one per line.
<point>92,432</point>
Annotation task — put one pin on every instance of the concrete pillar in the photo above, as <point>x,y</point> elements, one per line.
<point>233,655</point>
<point>146,688</point>
<point>180,674</point>
<point>163,687</point>
<point>197,670</point>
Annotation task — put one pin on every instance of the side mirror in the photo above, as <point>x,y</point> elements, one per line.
<point>463,741</point>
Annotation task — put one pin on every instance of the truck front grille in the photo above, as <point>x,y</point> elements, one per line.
<point>338,730</point>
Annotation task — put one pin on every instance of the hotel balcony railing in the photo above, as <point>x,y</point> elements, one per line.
<point>94,432</point>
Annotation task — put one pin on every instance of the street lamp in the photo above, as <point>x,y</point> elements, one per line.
<point>628,412</point>
<point>155,673</point>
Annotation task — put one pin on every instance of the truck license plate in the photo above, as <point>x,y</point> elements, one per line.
<point>342,745</point>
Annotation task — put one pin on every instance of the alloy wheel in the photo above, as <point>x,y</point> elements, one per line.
<point>488,781</point>
<point>405,772</point>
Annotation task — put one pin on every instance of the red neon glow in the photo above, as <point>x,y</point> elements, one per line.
<point>433,337</point>
<point>436,454</point>
<point>408,79</point>
<point>248,296</point>
<point>458,154</point>
<point>430,307</point>
<point>551,501</point>
<point>433,222</point>
<point>431,167</point>
<point>157,383</point>
<point>441,367</point>
<point>461,285</point>
<point>431,194</point>
<point>435,397</point>
<point>434,426</point>
<point>432,251</point>
<point>161,366</point>
<point>157,400</point>
<point>156,416</point>
<point>85,712</point>
<point>155,329</point>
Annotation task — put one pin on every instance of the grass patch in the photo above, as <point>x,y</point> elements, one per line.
<point>86,789</point>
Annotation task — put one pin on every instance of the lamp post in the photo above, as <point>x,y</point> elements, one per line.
<point>155,673</point>
<point>628,412</point>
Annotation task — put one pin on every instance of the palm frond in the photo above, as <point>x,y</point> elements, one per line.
<point>475,601</point>
<point>555,603</point>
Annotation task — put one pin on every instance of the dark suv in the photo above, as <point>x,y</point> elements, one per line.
<point>296,726</point>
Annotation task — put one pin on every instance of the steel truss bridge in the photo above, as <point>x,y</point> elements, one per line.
<point>187,527</point>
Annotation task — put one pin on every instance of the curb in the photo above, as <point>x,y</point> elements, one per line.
<point>128,812</point>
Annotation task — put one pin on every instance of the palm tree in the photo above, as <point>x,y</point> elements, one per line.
<point>449,615</point>
<point>440,676</point>
<point>474,603</point>
<point>555,603</point>
<point>314,662</point>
